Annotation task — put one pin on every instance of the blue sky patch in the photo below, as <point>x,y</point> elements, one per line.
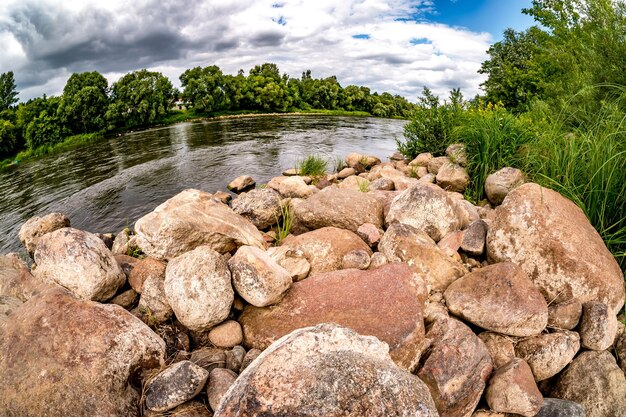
<point>361,36</point>
<point>420,41</point>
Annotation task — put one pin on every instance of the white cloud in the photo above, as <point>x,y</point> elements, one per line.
<point>44,41</point>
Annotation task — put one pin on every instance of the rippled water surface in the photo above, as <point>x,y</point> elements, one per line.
<point>109,185</point>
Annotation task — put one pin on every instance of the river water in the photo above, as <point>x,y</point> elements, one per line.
<point>109,185</point>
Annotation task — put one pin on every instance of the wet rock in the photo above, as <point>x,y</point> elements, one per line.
<point>456,367</point>
<point>553,407</point>
<point>404,243</point>
<point>334,207</point>
<point>366,161</point>
<point>257,277</point>
<point>226,335</point>
<point>502,182</point>
<point>369,233</point>
<point>291,172</point>
<point>144,269</point>
<point>62,353</point>
<point>16,279</point>
<point>292,260</point>
<point>551,239</point>
<point>386,302</point>
<point>565,315</point>
<point>421,160</point>
<point>425,207</point>
<point>548,354</point>
<point>456,153</point>
<point>474,238</point>
<point>261,207</point>
<point>594,381</point>
<point>36,227</point>
<point>500,298</point>
<point>209,358</point>
<point>294,187</point>
<point>190,219</point>
<point>198,288</point>
<point>174,386</point>
<point>326,248</point>
<point>383,184</point>
<point>512,389</point>
<point>219,381</point>
<point>79,262</point>
<point>597,327</point>
<point>241,183</point>
<point>500,347</point>
<point>452,177</point>
<point>298,376</point>
<point>436,163</point>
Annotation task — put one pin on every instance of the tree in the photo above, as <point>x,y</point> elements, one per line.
<point>8,138</point>
<point>205,88</point>
<point>43,130</point>
<point>266,89</point>
<point>8,93</point>
<point>84,102</point>
<point>139,98</point>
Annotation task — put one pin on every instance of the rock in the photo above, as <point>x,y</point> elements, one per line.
<point>548,354</point>
<point>427,208</point>
<point>153,303</point>
<point>36,227</point>
<point>345,209</point>
<point>235,356</point>
<point>366,161</point>
<point>325,249</point>
<point>79,262</point>
<point>594,381</point>
<point>220,381</point>
<point>177,384</point>
<point>16,280</point>
<point>241,183</point>
<point>452,177</point>
<point>500,347</point>
<point>251,355</point>
<point>188,409</point>
<point>197,287</point>
<point>8,305</point>
<point>565,315</point>
<point>456,367</point>
<point>404,243</point>
<point>294,187</point>
<point>551,239</point>
<point>226,335</point>
<point>500,298</point>
<point>474,238</point>
<point>385,198</point>
<point>291,172</point>
<point>421,160</point>
<point>620,351</point>
<point>369,233</point>
<point>451,243</point>
<point>358,259</point>
<point>355,183</point>
<point>222,197</point>
<point>467,212</point>
<point>502,182</point>
<point>428,178</point>
<point>553,407</point>
<point>400,181</point>
<point>257,277</point>
<point>190,219</point>
<point>299,374</point>
<point>396,156</point>
<point>261,207</point>
<point>435,163</point>
<point>512,389</point>
<point>123,243</point>
<point>293,261</point>
<point>598,326</point>
<point>175,337</point>
<point>377,260</point>
<point>209,358</point>
<point>127,300</point>
<point>345,173</point>
<point>456,153</point>
<point>73,357</point>
<point>144,269</point>
<point>488,413</point>
<point>382,184</point>
<point>126,263</point>
<point>386,302</point>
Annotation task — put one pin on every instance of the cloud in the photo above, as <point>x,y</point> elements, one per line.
<point>44,41</point>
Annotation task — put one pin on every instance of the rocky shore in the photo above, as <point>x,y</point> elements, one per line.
<point>375,291</point>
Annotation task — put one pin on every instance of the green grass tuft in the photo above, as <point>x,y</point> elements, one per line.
<point>312,166</point>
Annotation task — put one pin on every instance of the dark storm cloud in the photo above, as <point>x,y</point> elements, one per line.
<point>268,38</point>
<point>393,59</point>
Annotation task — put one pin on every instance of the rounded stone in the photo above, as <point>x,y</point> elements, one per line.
<point>226,335</point>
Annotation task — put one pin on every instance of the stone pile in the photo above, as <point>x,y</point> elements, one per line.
<point>392,295</point>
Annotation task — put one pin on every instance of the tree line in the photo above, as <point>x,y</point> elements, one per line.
<point>143,98</point>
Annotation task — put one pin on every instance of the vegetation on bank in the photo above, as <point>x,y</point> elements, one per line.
<point>89,106</point>
<point>555,107</point>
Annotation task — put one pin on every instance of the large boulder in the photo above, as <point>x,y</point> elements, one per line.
<point>65,356</point>
<point>190,219</point>
<point>549,353</point>
<point>456,368</point>
<point>198,288</point>
<point>404,243</point>
<point>594,381</point>
<point>342,208</point>
<point>386,302</point>
<point>426,207</point>
<point>327,249</point>
<point>36,227</point>
<point>257,277</point>
<point>502,182</point>
<point>16,279</point>
<point>500,298</point>
<point>261,207</point>
<point>551,239</point>
<point>326,371</point>
<point>80,262</point>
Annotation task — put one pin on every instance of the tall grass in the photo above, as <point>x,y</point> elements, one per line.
<point>312,165</point>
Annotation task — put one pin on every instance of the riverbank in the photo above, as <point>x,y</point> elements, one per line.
<point>175,117</point>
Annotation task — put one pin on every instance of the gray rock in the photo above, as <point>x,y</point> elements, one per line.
<point>177,384</point>
<point>234,358</point>
<point>261,207</point>
<point>209,358</point>
<point>598,326</point>
<point>553,407</point>
<point>474,238</point>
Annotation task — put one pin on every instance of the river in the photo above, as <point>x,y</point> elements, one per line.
<point>106,186</point>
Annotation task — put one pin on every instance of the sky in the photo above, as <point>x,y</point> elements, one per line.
<point>398,46</point>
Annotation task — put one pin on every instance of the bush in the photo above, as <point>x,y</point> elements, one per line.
<point>44,130</point>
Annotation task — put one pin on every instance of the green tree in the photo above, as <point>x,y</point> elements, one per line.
<point>266,89</point>
<point>84,102</point>
<point>8,138</point>
<point>205,88</point>
<point>8,91</point>
<point>43,130</point>
<point>139,98</point>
